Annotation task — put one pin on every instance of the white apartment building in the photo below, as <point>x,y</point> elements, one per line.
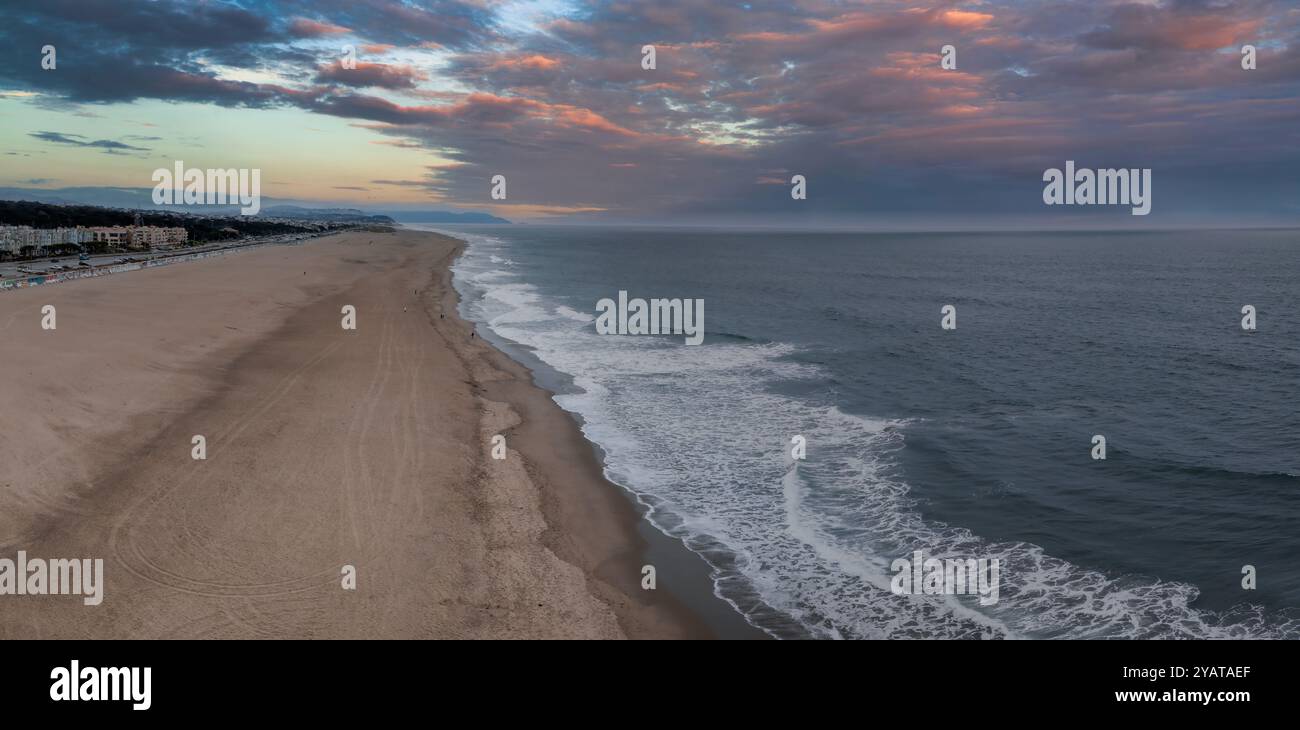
<point>13,238</point>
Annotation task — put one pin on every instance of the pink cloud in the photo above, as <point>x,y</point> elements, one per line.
<point>304,28</point>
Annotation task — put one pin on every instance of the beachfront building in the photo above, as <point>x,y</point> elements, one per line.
<point>116,236</point>
<point>48,237</point>
<point>140,236</point>
<point>27,241</point>
<point>155,237</point>
<point>13,239</point>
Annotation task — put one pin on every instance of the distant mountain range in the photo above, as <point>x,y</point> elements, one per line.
<point>321,214</point>
<point>142,199</point>
<point>132,198</point>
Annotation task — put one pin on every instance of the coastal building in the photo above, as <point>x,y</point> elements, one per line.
<point>13,239</point>
<point>46,237</point>
<point>118,236</point>
<point>155,237</point>
<point>139,236</point>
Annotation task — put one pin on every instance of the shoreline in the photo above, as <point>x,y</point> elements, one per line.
<point>551,437</point>
<point>365,449</point>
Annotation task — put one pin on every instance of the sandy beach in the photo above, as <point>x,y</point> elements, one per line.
<point>326,447</point>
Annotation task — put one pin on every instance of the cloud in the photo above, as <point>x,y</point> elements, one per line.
<point>852,97</point>
<point>529,62</point>
<point>371,75</point>
<point>306,28</point>
<point>402,183</point>
<point>1184,27</point>
<point>78,140</point>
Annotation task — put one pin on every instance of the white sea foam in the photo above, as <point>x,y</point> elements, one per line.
<point>574,314</point>
<point>702,439</point>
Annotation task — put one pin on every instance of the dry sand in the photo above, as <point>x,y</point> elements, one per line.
<point>326,448</point>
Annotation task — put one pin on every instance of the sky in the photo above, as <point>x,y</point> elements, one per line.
<point>552,95</point>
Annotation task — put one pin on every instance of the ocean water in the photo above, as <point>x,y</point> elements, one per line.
<point>971,443</point>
